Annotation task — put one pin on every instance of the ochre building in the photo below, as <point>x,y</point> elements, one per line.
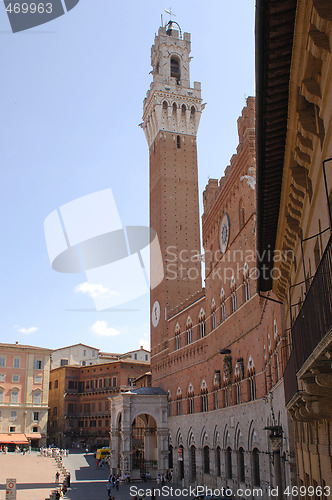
<point>79,400</point>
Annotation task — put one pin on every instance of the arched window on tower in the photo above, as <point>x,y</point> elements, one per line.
<point>177,337</point>
<point>241,214</point>
<point>189,331</point>
<point>234,301</point>
<point>223,312</point>
<point>213,315</point>
<point>175,69</point>
<point>252,385</point>
<point>204,397</point>
<point>191,404</point>
<point>179,401</point>
<point>169,407</point>
<point>201,322</point>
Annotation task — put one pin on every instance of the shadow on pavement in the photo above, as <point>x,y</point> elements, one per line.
<point>31,486</point>
<point>91,471</point>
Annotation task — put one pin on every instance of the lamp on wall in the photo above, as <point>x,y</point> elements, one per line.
<point>276,439</point>
<point>225,351</point>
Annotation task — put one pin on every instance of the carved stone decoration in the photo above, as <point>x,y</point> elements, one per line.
<point>324,380</point>
<point>217,379</point>
<point>228,369</point>
<point>323,8</point>
<point>241,368</point>
<point>319,38</point>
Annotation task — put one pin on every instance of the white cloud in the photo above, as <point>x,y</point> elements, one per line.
<point>95,290</point>
<point>26,331</point>
<point>100,328</point>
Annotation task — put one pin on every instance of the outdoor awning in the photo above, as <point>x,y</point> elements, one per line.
<point>34,435</point>
<point>13,439</point>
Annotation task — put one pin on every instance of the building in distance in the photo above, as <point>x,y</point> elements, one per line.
<point>80,400</point>
<point>24,381</point>
<point>84,355</point>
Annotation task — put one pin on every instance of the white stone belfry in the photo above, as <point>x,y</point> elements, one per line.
<point>171,104</point>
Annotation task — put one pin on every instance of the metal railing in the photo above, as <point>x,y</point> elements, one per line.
<point>313,321</point>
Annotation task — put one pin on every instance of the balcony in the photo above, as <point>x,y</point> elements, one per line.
<point>313,322</point>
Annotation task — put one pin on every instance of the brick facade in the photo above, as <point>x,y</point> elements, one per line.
<point>217,351</point>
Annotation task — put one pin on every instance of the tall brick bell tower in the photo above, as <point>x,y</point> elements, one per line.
<point>172,111</point>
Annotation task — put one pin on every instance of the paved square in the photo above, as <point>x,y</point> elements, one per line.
<point>35,475</point>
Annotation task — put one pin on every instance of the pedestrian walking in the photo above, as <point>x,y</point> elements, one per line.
<point>68,480</point>
<point>57,476</point>
<point>117,483</point>
<point>108,488</point>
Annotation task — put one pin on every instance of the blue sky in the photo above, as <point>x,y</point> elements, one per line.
<point>71,100</point>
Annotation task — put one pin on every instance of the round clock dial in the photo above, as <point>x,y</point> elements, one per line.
<point>155,315</point>
<point>224,233</point>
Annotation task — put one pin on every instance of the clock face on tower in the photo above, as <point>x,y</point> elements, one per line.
<point>155,315</point>
<point>224,233</point>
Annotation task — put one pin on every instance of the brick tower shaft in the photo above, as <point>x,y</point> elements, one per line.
<point>172,111</point>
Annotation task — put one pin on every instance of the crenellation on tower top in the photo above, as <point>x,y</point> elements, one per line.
<point>171,104</point>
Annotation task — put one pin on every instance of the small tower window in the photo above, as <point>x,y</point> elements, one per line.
<point>192,111</point>
<point>175,68</point>
<point>178,142</point>
<point>165,105</point>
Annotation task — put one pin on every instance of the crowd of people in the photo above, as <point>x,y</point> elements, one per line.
<point>54,452</point>
<point>60,492</point>
<point>113,483</point>
<point>24,449</point>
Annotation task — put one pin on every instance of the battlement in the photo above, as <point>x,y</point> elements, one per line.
<point>171,104</point>
<point>246,132</point>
